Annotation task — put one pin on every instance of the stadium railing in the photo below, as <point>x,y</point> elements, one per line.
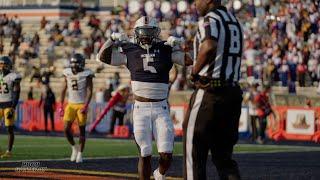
<point>290,123</point>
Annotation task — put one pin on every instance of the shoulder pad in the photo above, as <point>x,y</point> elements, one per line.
<point>17,76</point>
<point>13,76</point>
<point>87,72</point>
<point>67,72</point>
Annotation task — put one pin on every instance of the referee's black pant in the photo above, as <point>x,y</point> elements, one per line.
<point>212,124</point>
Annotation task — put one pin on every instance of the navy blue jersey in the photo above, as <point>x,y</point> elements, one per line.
<point>153,67</point>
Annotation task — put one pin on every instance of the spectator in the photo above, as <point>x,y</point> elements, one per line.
<point>79,13</point>
<point>58,38</point>
<point>43,23</point>
<point>35,39</point>
<point>318,72</point>
<point>1,46</point>
<point>35,45</point>
<point>65,29</point>
<point>284,74</point>
<point>16,20</point>
<point>36,74</point>
<point>49,100</point>
<point>87,43</point>
<point>254,119</point>
<point>15,40</point>
<point>118,104</point>
<point>116,80</point>
<point>1,32</point>
<point>55,29</point>
<point>100,96</point>
<point>51,51</point>
<point>251,9</point>
<point>264,109</point>
<point>119,109</point>
<point>301,71</point>
<point>108,30</point>
<point>4,20</point>
<point>308,103</point>
<point>46,74</point>
<point>94,22</point>
<point>108,92</point>
<point>250,58</point>
<point>48,27</point>
<point>76,28</point>
<point>30,93</point>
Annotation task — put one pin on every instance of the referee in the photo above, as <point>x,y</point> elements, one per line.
<point>213,116</point>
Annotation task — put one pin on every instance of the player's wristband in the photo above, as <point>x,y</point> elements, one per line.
<point>194,77</point>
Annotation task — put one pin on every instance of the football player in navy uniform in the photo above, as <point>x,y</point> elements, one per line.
<point>9,98</point>
<point>149,61</point>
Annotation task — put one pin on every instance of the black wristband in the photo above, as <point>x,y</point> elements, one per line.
<point>194,77</point>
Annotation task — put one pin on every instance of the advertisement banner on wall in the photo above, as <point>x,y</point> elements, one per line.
<point>244,118</point>
<point>300,122</point>
<point>177,114</point>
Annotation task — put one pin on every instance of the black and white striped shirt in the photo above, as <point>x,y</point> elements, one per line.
<point>222,26</point>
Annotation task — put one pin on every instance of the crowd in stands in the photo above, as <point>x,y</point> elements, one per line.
<point>21,45</point>
<point>283,43</point>
<point>282,38</point>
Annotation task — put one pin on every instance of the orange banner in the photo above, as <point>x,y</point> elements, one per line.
<point>295,123</point>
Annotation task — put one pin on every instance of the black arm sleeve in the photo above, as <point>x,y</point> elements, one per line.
<point>105,53</point>
<point>15,98</point>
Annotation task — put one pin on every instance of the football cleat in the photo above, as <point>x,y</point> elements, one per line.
<point>158,176</point>
<point>74,154</point>
<point>79,158</point>
<point>6,155</point>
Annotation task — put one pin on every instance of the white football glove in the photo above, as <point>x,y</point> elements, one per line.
<point>119,37</point>
<point>174,41</point>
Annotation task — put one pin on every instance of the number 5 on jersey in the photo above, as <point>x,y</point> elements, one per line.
<point>146,67</point>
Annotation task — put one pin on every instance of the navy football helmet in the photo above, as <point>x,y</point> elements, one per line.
<point>77,63</point>
<point>146,30</point>
<point>5,64</point>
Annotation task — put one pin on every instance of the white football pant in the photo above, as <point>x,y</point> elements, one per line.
<point>152,118</point>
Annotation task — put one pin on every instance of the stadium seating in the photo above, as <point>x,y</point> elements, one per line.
<point>29,28</point>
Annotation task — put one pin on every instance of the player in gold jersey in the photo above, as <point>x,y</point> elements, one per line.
<point>78,84</point>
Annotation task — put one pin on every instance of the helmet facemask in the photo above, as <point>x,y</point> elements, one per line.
<point>145,35</point>
<point>77,64</point>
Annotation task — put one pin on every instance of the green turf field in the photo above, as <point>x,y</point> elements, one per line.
<point>35,147</point>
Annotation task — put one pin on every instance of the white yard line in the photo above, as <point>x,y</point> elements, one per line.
<point>128,157</point>
<point>278,146</point>
<point>67,159</point>
<point>285,147</point>
<point>63,138</point>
